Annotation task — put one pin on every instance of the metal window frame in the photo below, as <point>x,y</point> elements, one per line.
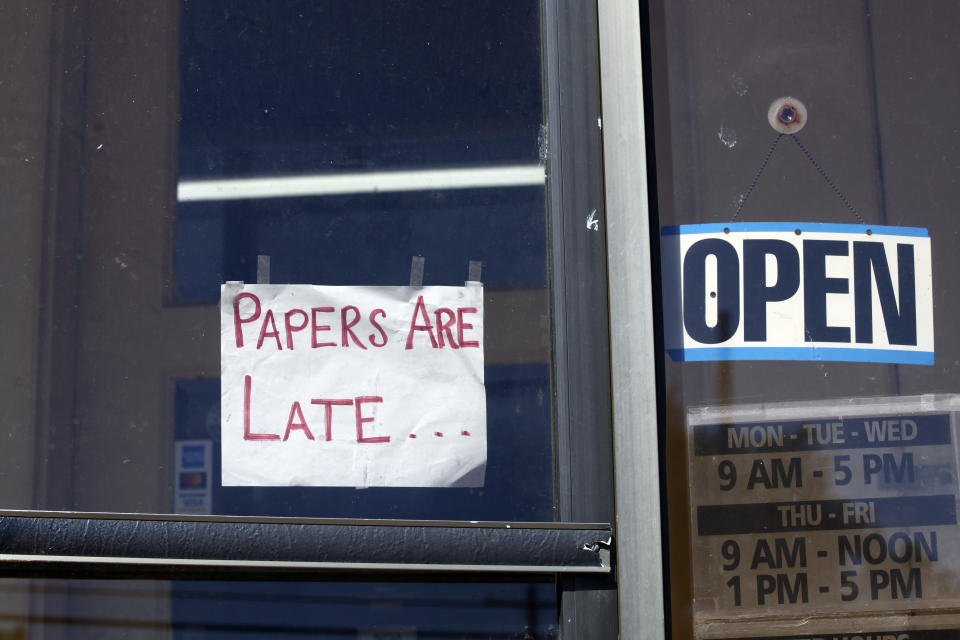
<point>576,551</point>
<point>634,374</point>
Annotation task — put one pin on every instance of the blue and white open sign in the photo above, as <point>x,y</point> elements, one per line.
<point>797,291</point>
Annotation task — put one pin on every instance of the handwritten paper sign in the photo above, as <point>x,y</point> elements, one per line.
<point>352,386</point>
<point>798,291</point>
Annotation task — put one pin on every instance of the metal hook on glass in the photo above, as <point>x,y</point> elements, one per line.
<point>787,115</point>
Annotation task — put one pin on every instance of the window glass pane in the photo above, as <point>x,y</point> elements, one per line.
<point>775,401</point>
<point>121,237</point>
<point>355,610</point>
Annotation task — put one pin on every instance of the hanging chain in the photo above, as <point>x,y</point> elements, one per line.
<point>823,174</point>
<point>756,178</point>
<point>816,165</point>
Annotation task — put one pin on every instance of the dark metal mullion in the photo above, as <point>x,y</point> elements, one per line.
<point>578,289</point>
<point>579,285</point>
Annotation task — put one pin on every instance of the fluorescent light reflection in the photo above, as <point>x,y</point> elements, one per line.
<point>372,182</point>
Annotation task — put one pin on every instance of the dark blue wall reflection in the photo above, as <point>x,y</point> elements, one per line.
<point>297,87</point>
<point>518,485</point>
<point>364,611</point>
<point>292,87</point>
<point>364,239</point>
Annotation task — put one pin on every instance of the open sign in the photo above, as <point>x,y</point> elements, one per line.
<point>798,291</point>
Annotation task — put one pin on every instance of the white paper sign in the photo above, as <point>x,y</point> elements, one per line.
<point>352,386</point>
<point>798,291</point>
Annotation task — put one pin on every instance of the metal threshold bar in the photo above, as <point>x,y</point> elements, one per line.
<point>364,182</point>
<point>266,566</point>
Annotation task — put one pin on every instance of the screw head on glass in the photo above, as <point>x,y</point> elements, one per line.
<point>787,115</point>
